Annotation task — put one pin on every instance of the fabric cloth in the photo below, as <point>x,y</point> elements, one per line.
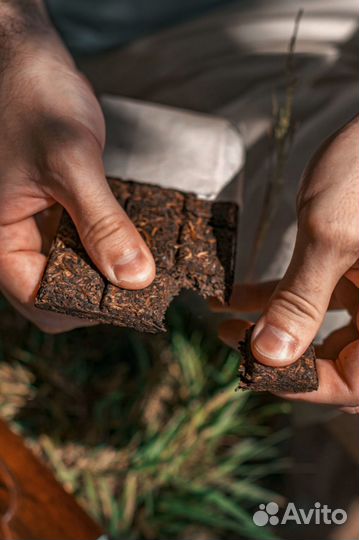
<point>89,26</point>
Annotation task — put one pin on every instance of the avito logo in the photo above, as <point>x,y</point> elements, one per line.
<point>267,514</point>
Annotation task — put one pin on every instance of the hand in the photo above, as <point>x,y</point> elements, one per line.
<point>324,269</point>
<point>51,146</point>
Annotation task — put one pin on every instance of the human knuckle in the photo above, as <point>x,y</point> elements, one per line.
<point>335,232</point>
<point>67,146</point>
<point>350,241</point>
<point>320,229</point>
<point>293,304</point>
<point>109,228</point>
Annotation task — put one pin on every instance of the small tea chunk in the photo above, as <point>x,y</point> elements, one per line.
<point>301,376</point>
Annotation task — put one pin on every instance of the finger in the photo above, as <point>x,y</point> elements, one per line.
<point>350,410</point>
<point>353,274</point>
<point>338,380</point>
<point>21,268</point>
<point>231,332</point>
<point>254,297</point>
<point>246,297</point>
<point>336,341</point>
<point>345,296</point>
<point>107,233</point>
<point>299,303</point>
<point>50,323</point>
<point>47,223</point>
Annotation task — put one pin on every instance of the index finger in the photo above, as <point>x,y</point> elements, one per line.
<point>246,297</point>
<point>337,380</point>
<point>254,297</point>
<point>21,267</point>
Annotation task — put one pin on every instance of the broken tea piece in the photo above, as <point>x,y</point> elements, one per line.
<point>301,376</point>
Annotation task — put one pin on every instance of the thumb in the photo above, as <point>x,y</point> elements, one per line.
<point>107,233</point>
<point>298,305</point>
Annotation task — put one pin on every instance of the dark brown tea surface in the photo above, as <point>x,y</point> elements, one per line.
<point>298,377</point>
<point>193,243</point>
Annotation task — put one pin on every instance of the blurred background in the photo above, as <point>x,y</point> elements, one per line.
<point>150,436</point>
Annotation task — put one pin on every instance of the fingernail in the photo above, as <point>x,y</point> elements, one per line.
<point>271,342</point>
<point>133,268</point>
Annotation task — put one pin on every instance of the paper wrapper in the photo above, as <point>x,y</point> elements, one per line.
<point>173,148</point>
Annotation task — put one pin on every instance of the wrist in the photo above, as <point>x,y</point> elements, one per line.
<point>26,30</point>
<point>19,19</point>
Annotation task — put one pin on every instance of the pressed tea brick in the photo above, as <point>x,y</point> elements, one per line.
<point>158,215</point>
<point>193,244</point>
